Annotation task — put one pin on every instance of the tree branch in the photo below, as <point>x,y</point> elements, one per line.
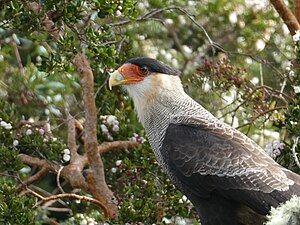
<point>47,23</point>
<point>286,15</point>
<point>295,154</point>
<point>96,181</point>
<point>64,195</point>
<point>262,114</point>
<point>71,134</point>
<point>116,145</point>
<point>149,16</point>
<point>297,10</point>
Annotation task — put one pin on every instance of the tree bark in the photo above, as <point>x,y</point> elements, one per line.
<point>297,10</point>
<point>286,15</point>
<point>96,178</point>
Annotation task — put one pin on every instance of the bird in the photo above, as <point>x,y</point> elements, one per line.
<point>229,179</point>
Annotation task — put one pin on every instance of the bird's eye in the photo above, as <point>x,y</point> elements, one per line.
<point>144,69</point>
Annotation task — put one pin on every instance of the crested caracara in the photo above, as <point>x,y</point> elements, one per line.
<point>229,179</point>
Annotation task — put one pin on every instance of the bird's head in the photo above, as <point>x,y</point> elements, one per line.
<point>149,82</point>
<point>143,75</point>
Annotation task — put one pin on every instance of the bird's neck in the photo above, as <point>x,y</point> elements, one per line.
<point>158,105</point>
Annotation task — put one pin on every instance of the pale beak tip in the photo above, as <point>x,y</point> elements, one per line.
<point>115,79</point>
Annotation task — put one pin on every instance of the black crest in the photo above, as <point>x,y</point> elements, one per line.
<point>154,65</point>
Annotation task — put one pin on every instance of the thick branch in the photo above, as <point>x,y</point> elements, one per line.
<point>116,145</point>
<point>72,172</point>
<point>71,134</point>
<point>297,10</point>
<point>97,183</point>
<point>37,176</point>
<point>286,15</point>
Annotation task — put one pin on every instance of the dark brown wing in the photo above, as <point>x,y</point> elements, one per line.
<point>209,157</point>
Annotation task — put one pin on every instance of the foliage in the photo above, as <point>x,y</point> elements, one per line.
<point>15,209</point>
<point>251,75</point>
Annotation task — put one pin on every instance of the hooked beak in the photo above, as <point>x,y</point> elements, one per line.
<point>115,78</point>
<point>126,74</point>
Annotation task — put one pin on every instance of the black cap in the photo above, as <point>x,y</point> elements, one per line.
<point>153,65</point>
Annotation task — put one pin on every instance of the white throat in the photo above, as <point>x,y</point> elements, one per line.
<point>154,92</point>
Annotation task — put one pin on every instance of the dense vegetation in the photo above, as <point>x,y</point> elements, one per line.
<point>237,58</point>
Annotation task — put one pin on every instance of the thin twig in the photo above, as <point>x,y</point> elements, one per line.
<point>65,195</point>
<point>295,154</point>
<point>148,16</point>
<point>16,50</point>
<point>57,180</point>
<point>260,115</point>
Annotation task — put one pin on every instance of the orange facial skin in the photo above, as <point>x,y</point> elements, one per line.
<point>132,73</point>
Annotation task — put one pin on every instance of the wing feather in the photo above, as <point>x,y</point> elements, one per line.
<point>211,156</point>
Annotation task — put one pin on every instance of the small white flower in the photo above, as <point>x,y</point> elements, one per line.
<point>184,198</point>
<point>66,157</point>
<point>118,162</point>
<point>31,120</point>
<point>288,68</point>
<point>41,131</point>
<point>109,137</point>
<point>118,13</point>
<point>187,49</point>
<point>233,18</point>
<point>104,128</point>
<point>296,36</point>
<point>169,21</point>
<point>277,152</point>
<point>115,128</point>
<point>255,80</point>
<point>15,142</point>
<point>28,132</point>
<point>111,119</point>
<point>292,73</point>
<point>133,139</point>
<point>38,58</point>
<point>179,221</point>
<point>166,220</point>
<point>25,170</point>
<point>276,144</point>
<point>8,126</point>
<point>113,170</point>
<point>297,89</point>
<point>141,140</point>
<point>83,222</point>
<point>3,124</point>
<point>80,216</point>
<point>103,117</point>
<point>67,151</point>
<point>144,182</point>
